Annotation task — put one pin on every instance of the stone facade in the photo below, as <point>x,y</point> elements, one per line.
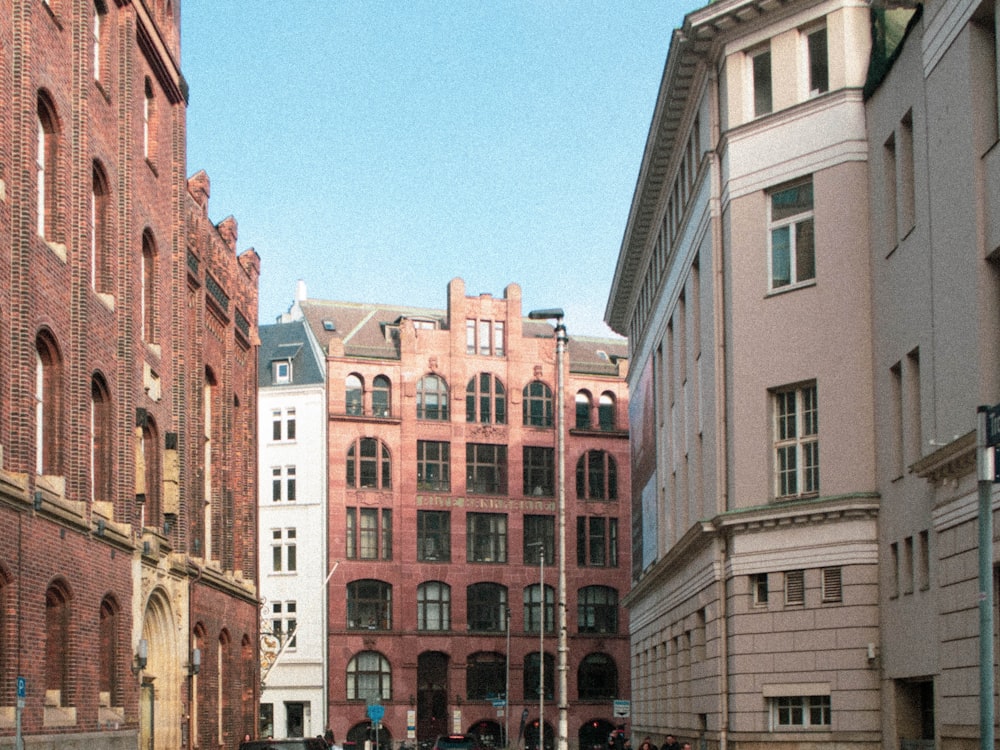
<point>438,485</point>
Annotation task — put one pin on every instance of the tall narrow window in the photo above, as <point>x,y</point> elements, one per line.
<point>797,442</point>
<point>100,274</point>
<point>48,403</point>
<point>46,160</point>
<point>433,465</point>
<point>432,398</point>
<point>819,66</point>
<point>485,400</point>
<point>539,474</point>
<point>606,411</point>
<point>584,405</point>
<point>381,397</point>
<point>889,198</point>
<point>109,677</point>
<point>58,644</point>
<point>433,536</point>
<point>100,440</point>
<point>537,400</point>
<point>353,395</point>
<point>148,120</point>
<point>907,188</point>
<point>761,79</point>
<point>148,299</point>
<point>100,10</point>
<point>433,606</point>
<point>793,256</point>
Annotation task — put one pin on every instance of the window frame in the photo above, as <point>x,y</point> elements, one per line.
<point>596,606</point>
<point>434,526</point>
<point>439,605</point>
<point>799,231</point>
<point>439,393</point>
<point>484,601</point>
<point>537,405</point>
<point>368,533</point>
<point>368,471</point>
<point>486,538</point>
<point>431,465</point>
<point>372,599</point>
<point>795,432</point>
<point>784,710</point>
<point>538,470</point>
<point>485,469</point>
<point>761,96</point>
<point>485,399</point>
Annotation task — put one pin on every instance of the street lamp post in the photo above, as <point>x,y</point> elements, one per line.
<point>541,642</point>
<point>556,314</point>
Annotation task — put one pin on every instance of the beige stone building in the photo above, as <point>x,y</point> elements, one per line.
<point>743,284</point>
<point>935,210</point>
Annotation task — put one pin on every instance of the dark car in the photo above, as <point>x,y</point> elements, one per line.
<point>301,743</point>
<point>456,742</point>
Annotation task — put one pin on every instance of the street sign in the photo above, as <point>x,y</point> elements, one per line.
<point>22,687</point>
<point>993,425</point>
<point>622,709</point>
<point>376,711</point>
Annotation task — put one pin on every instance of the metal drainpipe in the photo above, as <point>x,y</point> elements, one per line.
<point>721,392</point>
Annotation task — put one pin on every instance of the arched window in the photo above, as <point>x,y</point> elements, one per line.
<point>101,455</point>
<point>531,676</point>
<point>369,605</point>
<point>99,35</point>
<point>354,395</point>
<point>432,398</point>
<point>148,470</point>
<point>381,397</point>
<point>537,404</point>
<point>486,607</point>
<point>597,609</point>
<point>485,400</point>
<point>46,164</point>
<point>597,678</point>
<point>109,677</point>
<point>58,645</point>
<point>433,606</point>
<point>485,675</point>
<point>100,273</point>
<point>596,476</point>
<point>533,609</point>
<point>606,411</point>
<point>369,465</point>
<point>369,676</point>
<point>584,405</point>
<point>147,302</point>
<point>48,405</point>
<point>148,120</point>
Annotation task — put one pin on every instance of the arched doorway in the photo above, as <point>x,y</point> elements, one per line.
<point>161,678</point>
<point>593,734</point>
<point>432,695</point>
<point>531,736</point>
<point>363,732</point>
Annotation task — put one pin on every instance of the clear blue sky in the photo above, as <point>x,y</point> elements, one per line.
<point>377,150</point>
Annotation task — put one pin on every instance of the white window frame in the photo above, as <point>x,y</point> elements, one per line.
<point>796,441</point>
<point>807,34</point>
<point>791,224</point>
<point>798,712</point>
<point>752,55</point>
<point>284,559</point>
<point>281,370</point>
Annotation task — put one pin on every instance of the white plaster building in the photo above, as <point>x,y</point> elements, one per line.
<point>293,481</point>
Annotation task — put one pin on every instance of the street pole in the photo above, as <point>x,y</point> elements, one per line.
<point>506,689</point>
<point>556,314</point>
<point>986,472</point>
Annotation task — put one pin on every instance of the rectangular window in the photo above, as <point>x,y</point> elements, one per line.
<point>283,484</point>
<point>790,223</point>
<point>284,622</point>
<point>924,561</point>
<point>795,587</point>
<point>819,66</point>
<point>486,469</point>
<point>833,590</point>
<point>283,557</point>
<point>433,536</point>
<point>282,425</point>
<point>758,589</point>
<point>539,529</point>
<point>801,711</point>
<point>282,371</point>
<point>369,533</point>
<point>907,565</point>
<point>796,444</point>
<point>596,542</point>
<point>538,471</point>
<point>761,71</point>
<point>484,337</point>
<point>470,336</point>
<point>889,200</point>
<point>486,537</point>
<point>433,466</point>
<point>907,189</point>
<point>894,570</point>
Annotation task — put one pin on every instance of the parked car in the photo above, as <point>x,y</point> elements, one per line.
<point>299,743</point>
<point>456,742</point>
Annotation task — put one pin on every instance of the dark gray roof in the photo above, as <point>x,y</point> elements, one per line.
<point>288,341</point>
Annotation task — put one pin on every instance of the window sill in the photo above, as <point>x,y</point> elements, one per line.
<point>790,288</point>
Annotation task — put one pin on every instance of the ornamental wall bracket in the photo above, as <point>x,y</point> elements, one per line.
<point>950,462</point>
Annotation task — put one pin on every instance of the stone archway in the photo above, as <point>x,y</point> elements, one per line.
<point>161,708</point>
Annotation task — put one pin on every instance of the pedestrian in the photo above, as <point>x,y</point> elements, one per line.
<point>670,743</point>
<point>647,744</point>
<point>616,740</point>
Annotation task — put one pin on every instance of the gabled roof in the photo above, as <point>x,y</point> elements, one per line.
<point>287,341</point>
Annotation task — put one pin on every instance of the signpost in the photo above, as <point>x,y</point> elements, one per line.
<point>988,437</point>
<point>22,692</point>
<point>376,712</point>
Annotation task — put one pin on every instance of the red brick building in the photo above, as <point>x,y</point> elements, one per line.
<point>442,471</point>
<point>127,396</point>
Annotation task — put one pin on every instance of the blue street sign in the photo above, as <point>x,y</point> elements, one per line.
<point>993,425</point>
<point>376,711</point>
<point>22,687</point>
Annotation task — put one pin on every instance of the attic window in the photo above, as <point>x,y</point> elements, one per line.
<point>281,371</point>
<point>328,325</point>
<point>601,354</point>
<point>422,324</point>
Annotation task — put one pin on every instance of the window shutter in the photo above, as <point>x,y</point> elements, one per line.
<point>832,589</point>
<point>795,587</point>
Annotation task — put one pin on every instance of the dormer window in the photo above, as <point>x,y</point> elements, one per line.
<point>328,325</point>
<point>281,371</point>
